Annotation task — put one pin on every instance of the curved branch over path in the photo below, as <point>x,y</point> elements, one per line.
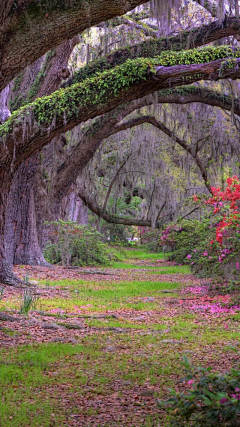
<point>117,219</point>
<point>109,124</point>
<point>153,121</point>
<point>110,218</point>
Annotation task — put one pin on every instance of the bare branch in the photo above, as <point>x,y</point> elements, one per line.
<point>113,180</point>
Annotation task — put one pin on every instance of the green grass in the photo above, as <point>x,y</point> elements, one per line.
<point>143,254</point>
<point>31,377</point>
<point>128,265</point>
<point>109,296</point>
<point>23,374</point>
<point>172,269</point>
<point>43,385</point>
<point>153,269</point>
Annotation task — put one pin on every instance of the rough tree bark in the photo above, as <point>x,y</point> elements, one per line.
<point>21,234</point>
<point>6,275</point>
<point>32,27</point>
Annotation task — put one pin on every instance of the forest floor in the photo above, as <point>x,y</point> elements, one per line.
<point>101,345</point>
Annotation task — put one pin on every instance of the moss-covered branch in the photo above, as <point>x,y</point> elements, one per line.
<point>109,124</point>
<point>151,48</point>
<point>33,126</point>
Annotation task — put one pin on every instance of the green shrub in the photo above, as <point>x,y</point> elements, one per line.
<point>212,399</point>
<point>150,240</point>
<point>188,240</point>
<point>77,245</point>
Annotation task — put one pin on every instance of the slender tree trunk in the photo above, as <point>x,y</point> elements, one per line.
<point>82,212</point>
<point>73,208</point>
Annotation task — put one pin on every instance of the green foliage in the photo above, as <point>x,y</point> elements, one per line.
<point>29,302</point>
<point>77,245</point>
<point>213,399</point>
<point>212,245</point>
<point>192,242</point>
<point>188,240</point>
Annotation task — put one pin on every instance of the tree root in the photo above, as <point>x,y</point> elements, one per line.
<point>8,318</point>
<point>67,316</point>
<point>10,279</point>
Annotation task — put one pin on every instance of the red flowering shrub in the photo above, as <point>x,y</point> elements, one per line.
<point>227,202</point>
<point>212,245</point>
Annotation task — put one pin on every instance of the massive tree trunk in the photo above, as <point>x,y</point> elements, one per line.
<point>21,216</point>
<point>6,230</point>
<point>23,243</point>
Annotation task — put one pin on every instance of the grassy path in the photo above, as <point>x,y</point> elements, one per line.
<point>102,345</point>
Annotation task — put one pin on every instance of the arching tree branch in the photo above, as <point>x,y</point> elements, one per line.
<point>108,125</point>
<point>153,121</point>
<point>33,27</point>
<point>210,5</point>
<point>36,124</point>
<point>190,94</point>
<point>110,218</point>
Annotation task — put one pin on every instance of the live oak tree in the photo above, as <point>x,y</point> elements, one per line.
<point>107,88</point>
